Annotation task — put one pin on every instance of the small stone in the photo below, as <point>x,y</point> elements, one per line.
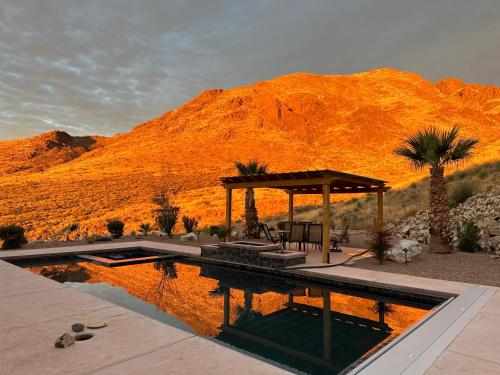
<point>64,341</point>
<point>96,324</point>
<point>78,327</point>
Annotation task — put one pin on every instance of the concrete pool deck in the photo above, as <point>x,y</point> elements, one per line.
<point>34,311</point>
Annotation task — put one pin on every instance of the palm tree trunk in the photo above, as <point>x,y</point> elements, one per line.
<point>438,204</point>
<point>251,217</point>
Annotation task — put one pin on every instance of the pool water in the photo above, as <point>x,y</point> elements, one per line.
<point>277,319</point>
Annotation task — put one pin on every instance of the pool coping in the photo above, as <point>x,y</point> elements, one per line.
<point>433,347</point>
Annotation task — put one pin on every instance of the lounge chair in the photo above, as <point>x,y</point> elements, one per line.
<point>270,237</point>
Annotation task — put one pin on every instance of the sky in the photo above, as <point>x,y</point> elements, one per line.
<point>102,67</point>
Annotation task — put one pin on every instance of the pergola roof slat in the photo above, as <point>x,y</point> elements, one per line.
<point>308,182</point>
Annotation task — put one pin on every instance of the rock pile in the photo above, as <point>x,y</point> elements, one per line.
<point>413,227</point>
<point>482,209</point>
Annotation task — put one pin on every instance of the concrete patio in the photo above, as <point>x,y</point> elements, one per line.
<point>35,310</point>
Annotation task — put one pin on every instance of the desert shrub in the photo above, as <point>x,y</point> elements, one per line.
<point>222,232</point>
<point>468,237</point>
<point>483,175</point>
<point>190,223</point>
<point>379,242</point>
<point>166,219</point>
<point>414,185</point>
<point>115,228</point>
<point>12,236</point>
<point>70,229</point>
<point>461,192</point>
<point>145,228</point>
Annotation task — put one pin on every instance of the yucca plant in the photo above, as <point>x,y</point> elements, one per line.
<point>252,168</point>
<point>436,149</point>
<point>145,228</point>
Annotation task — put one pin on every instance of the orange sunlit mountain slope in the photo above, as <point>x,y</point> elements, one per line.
<point>294,122</point>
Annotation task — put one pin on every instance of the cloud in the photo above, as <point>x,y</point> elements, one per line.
<point>103,67</point>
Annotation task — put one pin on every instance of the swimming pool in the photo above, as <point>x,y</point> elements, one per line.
<point>278,319</point>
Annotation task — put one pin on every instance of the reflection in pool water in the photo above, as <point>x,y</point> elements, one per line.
<point>278,319</point>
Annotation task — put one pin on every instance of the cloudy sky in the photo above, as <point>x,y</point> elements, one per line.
<point>101,67</point>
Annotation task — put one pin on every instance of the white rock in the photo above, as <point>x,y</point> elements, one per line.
<point>397,253</point>
<point>189,237</point>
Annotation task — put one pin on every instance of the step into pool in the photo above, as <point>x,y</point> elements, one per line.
<point>305,327</point>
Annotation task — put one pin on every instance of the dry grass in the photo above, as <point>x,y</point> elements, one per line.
<point>398,203</point>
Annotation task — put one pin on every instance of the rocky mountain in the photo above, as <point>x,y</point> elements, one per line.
<point>294,122</point>
<point>36,154</point>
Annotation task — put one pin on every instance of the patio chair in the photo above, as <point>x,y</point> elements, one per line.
<point>344,236</point>
<point>306,230</point>
<point>335,239</point>
<point>315,235</point>
<point>270,237</point>
<point>297,235</point>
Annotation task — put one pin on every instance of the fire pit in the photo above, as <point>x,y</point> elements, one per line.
<point>253,252</point>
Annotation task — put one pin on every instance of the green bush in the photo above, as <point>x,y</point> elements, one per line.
<point>483,175</point>
<point>190,223</point>
<point>12,236</point>
<point>468,237</point>
<point>462,192</point>
<point>115,228</point>
<point>281,225</point>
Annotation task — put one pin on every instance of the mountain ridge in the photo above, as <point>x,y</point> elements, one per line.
<point>293,122</point>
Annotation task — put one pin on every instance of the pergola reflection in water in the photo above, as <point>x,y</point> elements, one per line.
<point>309,338</point>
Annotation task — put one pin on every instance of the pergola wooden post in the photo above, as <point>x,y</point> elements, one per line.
<point>380,210</point>
<point>324,182</point>
<point>325,247</point>
<point>228,212</point>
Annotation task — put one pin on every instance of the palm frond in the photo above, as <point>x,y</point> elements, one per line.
<point>252,168</point>
<point>463,149</point>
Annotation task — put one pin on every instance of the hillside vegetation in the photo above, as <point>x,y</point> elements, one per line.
<point>295,122</point>
<point>398,203</point>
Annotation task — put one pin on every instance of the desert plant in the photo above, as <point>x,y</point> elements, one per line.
<point>12,236</point>
<point>468,237</point>
<point>190,223</point>
<point>222,232</point>
<point>115,228</point>
<point>462,192</point>
<point>252,168</point>
<point>166,219</point>
<point>437,149</point>
<point>167,213</point>
<point>145,228</point>
<point>70,229</point>
<point>379,242</point>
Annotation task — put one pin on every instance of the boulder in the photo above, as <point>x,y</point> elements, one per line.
<point>404,250</point>
<point>189,237</point>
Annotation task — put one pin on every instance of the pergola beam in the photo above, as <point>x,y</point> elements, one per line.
<point>279,184</point>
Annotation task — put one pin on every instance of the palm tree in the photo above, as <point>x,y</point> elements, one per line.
<point>436,149</point>
<point>252,168</point>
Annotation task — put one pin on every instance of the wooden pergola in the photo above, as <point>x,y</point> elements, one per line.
<point>321,182</point>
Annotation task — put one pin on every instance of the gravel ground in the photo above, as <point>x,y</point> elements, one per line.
<point>473,268</point>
